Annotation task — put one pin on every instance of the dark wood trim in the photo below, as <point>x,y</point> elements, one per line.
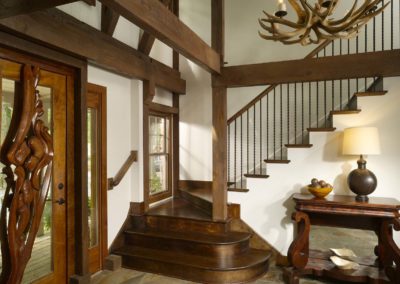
<point>175,118</point>
<point>163,108</point>
<point>113,182</point>
<point>99,102</point>
<point>109,20</point>
<point>148,94</point>
<point>167,28</point>
<point>81,169</point>
<point>313,69</point>
<point>166,194</point>
<point>18,7</point>
<point>59,30</point>
<point>90,2</point>
<point>219,118</point>
<point>137,208</point>
<point>195,184</point>
<point>147,40</point>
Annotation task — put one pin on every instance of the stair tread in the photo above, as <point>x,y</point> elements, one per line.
<point>256,176</point>
<point>202,193</point>
<point>249,259</point>
<point>271,161</point>
<point>370,93</point>
<point>298,145</point>
<point>235,189</point>
<point>325,129</point>
<point>348,111</point>
<point>216,239</point>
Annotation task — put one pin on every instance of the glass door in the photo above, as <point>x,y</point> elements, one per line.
<point>49,256</point>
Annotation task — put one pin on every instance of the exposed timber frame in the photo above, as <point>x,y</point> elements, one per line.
<point>371,64</point>
<point>219,118</point>
<point>59,30</point>
<point>168,28</point>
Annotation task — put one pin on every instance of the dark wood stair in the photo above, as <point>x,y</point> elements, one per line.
<point>256,176</point>
<point>298,145</point>
<point>322,129</point>
<point>273,161</point>
<point>179,239</point>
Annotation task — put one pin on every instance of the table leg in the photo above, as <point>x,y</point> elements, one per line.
<point>299,249</point>
<point>389,252</point>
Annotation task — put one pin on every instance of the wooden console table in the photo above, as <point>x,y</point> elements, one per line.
<point>380,215</point>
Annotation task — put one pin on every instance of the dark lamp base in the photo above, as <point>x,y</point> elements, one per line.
<point>361,181</point>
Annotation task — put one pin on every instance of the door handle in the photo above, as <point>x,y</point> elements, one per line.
<point>60,201</point>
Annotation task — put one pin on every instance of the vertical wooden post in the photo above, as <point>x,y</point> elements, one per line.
<point>175,119</point>
<point>219,119</point>
<point>148,95</point>
<point>82,274</point>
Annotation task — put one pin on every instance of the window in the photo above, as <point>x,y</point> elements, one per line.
<point>159,157</point>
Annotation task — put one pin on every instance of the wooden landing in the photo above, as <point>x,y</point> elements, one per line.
<point>179,208</point>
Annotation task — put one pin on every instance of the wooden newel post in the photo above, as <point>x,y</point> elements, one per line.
<point>219,119</point>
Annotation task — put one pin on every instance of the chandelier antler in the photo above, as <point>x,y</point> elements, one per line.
<point>314,23</point>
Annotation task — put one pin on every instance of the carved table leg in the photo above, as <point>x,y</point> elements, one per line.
<point>290,276</point>
<point>299,249</point>
<point>389,252</point>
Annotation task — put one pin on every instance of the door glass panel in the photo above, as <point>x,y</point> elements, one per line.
<point>7,103</point>
<point>93,176</point>
<point>159,154</point>
<point>41,262</point>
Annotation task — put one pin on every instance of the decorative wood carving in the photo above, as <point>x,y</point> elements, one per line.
<point>298,250</point>
<point>390,252</point>
<point>27,154</point>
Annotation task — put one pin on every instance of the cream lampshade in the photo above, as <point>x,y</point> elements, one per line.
<point>361,141</point>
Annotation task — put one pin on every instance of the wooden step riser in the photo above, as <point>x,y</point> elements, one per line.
<point>204,205</point>
<point>185,225</point>
<point>190,247</point>
<point>193,273</point>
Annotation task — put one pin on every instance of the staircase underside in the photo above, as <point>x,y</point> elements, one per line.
<point>178,238</point>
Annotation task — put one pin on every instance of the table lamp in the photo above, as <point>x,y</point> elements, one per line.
<point>361,141</point>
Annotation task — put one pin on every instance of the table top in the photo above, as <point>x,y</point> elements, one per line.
<point>344,204</point>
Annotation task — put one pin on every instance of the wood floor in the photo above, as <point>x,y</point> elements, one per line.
<point>178,238</point>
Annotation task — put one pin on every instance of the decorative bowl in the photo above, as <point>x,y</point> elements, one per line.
<point>320,192</point>
<point>343,263</point>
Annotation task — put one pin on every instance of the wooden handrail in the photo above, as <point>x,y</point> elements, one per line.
<point>272,87</point>
<point>113,182</point>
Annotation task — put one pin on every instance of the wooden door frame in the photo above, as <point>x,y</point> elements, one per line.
<point>12,47</point>
<point>103,241</point>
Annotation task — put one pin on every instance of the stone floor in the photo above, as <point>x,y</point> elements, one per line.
<point>361,242</point>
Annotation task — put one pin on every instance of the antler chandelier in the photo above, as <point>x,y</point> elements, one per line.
<point>314,23</point>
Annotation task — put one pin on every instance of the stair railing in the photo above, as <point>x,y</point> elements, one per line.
<point>282,115</point>
<point>113,182</point>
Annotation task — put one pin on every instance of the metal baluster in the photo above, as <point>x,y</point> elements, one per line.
<point>241,151</point>
<point>374,35</point>
<point>281,118</point>
<point>234,161</point>
<point>229,153</point>
<point>309,104</point>
<point>254,138</point>
<point>317,83</point>
<point>267,113</point>
<point>261,163</point>
<point>341,92</point>
<point>325,102</point>
<point>391,25</point>
<point>383,27</point>
<point>333,93</point>
<point>275,121</point>
<point>295,113</point>
<point>247,144</point>
<point>288,114</point>
<point>302,113</point>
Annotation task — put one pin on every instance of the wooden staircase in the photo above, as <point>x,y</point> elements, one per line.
<point>179,239</point>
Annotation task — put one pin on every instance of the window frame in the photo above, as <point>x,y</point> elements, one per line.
<point>167,153</point>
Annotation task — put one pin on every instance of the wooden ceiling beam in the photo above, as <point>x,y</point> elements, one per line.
<point>153,17</point>
<point>17,7</point>
<point>147,40</point>
<point>109,20</point>
<point>59,30</point>
<point>372,64</point>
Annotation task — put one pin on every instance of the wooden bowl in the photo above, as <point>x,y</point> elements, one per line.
<point>319,192</point>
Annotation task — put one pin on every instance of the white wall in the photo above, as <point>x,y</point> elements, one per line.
<point>267,207</point>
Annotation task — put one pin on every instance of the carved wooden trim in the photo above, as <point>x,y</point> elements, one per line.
<point>389,255</point>
<point>298,250</point>
<point>27,154</point>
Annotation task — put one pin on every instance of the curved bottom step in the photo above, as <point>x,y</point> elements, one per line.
<point>203,269</point>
